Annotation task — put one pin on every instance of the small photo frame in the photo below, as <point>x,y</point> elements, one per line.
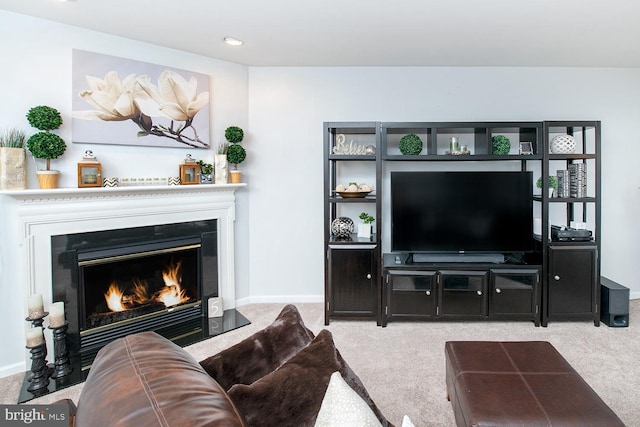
<point>526,147</point>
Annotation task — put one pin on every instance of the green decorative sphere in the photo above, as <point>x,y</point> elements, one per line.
<point>43,117</point>
<point>410,144</point>
<point>500,145</point>
<point>236,154</point>
<point>46,145</point>
<point>234,134</point>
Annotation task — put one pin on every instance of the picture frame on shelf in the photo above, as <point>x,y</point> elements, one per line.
<point>526,147</point>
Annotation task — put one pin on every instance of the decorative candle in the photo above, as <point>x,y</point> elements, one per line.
<point>56,314</point>
<point>35,337</point>
<point>35,306</point>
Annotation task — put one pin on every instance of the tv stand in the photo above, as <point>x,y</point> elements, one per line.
<point>489,258</point>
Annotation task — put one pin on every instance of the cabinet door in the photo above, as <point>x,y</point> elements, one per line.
<point>463,294</point>
<point>412,294</point>
<point>571,283</point>
<point>514,294</point>
<point>352,281</point>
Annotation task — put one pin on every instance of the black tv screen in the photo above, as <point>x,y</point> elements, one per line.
<point>461,212</point>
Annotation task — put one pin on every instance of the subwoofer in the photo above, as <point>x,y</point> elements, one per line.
<point>614,303</point>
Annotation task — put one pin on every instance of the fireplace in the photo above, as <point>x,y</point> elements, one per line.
<point>118,282</point>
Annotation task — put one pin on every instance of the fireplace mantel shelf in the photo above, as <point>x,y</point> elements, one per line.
<point>66,193</point>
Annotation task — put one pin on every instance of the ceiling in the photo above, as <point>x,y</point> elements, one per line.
<point>574,33</point>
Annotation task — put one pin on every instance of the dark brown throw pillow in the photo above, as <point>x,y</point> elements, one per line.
<point>292,395</point>
<point>262,352</point>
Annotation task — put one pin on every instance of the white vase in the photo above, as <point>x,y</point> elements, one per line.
<point>221,168</point>
<point>364,231</point>
<point>13,170</point>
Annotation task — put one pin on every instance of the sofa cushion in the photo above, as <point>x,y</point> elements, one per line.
<point>146,380</point>
<point>292,394</point>
<point>262,352</point>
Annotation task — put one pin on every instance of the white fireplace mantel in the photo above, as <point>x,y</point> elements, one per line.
<point>31,217</point>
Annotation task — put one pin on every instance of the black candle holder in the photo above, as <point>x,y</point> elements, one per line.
<point>38,321</point>
<point>39,369</point>
<point>62,365</point>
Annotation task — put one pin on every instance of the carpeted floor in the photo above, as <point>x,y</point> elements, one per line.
<point>402,365</point>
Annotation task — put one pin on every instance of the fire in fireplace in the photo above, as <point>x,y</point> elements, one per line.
<point>118,282</point>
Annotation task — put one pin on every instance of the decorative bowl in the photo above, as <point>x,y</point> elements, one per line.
<point>353,194</point>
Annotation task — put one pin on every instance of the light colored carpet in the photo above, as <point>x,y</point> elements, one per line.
<point>402,365</point>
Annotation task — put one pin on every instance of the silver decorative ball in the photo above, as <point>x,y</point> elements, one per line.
<point>342,227</point>
<point>563,144</point>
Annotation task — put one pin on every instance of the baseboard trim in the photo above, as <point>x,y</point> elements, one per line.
<point>275,299</point>
<point>15,368</point>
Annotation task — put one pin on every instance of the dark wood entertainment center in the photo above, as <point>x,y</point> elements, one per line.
<point>558,280</point>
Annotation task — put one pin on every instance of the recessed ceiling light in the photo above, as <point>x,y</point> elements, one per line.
<point>233,41</point>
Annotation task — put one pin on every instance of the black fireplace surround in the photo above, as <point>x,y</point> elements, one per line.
<point>85,265</point>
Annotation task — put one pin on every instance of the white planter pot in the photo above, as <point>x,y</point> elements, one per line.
<point>364,231</point>
<point>220,169</point>
<point>13,170</point>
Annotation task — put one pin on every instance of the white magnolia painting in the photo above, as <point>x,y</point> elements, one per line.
<point>128,102</point>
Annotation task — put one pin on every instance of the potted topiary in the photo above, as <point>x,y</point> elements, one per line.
<point>12,160</point>
<point>553,184</point>
<point>500,145</point>
<point>44,144</point>
<point>236,152</point>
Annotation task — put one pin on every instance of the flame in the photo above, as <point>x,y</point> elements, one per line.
<point>171,294</point>
<point>114,298</point>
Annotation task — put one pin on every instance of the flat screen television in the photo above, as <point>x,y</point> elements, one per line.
<point>462,212</point>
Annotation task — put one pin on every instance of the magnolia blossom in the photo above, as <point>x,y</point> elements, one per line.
<point>174,97</point>
<point>113,100</point>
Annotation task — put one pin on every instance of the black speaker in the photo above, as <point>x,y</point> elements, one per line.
<point>614,303</point>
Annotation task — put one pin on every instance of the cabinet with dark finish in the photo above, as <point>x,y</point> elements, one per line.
<point>352,281</point>
<point>514,294</point>
<point>411,294</point>
<point>463,294</point>
<point>573,286</point>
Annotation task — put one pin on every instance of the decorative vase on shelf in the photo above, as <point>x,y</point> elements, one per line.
<point>563,144</point>
<point>221,168</point>
<point>13,170</point>
<point>364,231</point>
<point>342,227</point>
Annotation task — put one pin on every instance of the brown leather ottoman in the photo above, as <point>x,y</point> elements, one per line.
<point>519,383</point>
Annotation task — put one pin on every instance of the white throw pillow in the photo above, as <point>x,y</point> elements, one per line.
<point>406,422</point>
<point>343,407</point>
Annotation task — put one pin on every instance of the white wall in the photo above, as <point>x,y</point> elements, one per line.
<point>288,105</point>
<point>36,70</point>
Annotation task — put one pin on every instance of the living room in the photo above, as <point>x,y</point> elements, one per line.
<point>278,215</point>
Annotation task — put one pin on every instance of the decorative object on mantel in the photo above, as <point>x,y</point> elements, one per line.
<point>411,144</point>
<point>110,182</point>
<point>500,145</point>
<point>89,171</point>
<point>44,144</point>
<point>236,152</point>
<point>189,171</point>
<point>221,164</point>
<point>342,227</point>
<point>174,180</point>
<point>563,144</point>
<point>352,148</point>
<point>13,170</point>
<point>206,172</point>
<point>364,228</point>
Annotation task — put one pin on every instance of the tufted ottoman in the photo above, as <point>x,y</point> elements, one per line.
<point>519,383</point>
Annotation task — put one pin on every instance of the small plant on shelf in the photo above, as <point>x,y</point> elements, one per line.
<point>236,152</point>
<point>13,138</point>
<point>366,218</point>
<point>500,144</point>
<point>205,168</point>
<point>45,145</point>
<point>410,144</point>
<point>553,182</point>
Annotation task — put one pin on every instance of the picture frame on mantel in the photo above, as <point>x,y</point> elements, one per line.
<point>119,101</point>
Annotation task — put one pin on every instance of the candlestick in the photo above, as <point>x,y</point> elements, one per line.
<point>62,364</point>
<point>35,306</point>
<point>39,371</point>
<point>35,337</point>
<point>56,315</point>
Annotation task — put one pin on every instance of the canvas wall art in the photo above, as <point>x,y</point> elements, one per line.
<point>128,102</point>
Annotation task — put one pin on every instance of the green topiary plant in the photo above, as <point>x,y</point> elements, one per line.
<point>236,154</point>
<point>553,182</point>
<point>234,134</point>
<point>410,144</point>
<point>501,145</point>
<point>45,145</point>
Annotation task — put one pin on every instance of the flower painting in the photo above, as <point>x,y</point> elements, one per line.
<point>122,101</point>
